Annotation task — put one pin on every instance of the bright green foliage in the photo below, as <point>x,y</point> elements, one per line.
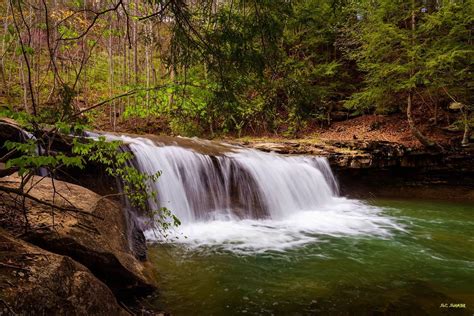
<point>274,65</point>
<point>313,73</point>
<point>386,53</point>
<point>185,103</point>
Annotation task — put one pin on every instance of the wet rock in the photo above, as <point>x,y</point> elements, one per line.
<point>10,130</point>
<point>138,240</point>
<point>279,148</point>
<point>362,161</point>
<point>89,228</point>
<point>49,284</point>
<point>363,154</point>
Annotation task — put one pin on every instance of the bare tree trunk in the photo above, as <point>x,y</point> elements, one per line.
<point>85,50</point>
<point>172,80</point>
<point>152,56</point>
<point>135,46</point>
<point>135,51</point>
<point>25,88</point>
<point>467,128</point>
<point>6,90</point>
<point>28,80</point>
<point>111,77</point>
<point>415,131</point>
<point>147,65</point>
<point>129,73</point>
<point>35,58</point>
<point>124,74</point>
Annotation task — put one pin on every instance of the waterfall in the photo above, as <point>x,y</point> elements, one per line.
<point>244,200</point>
<point>240,183</point>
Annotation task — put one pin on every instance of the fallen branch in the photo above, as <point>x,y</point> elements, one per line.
<point>11,266</point>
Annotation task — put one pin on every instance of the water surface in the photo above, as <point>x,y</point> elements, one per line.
<point>380,257</point>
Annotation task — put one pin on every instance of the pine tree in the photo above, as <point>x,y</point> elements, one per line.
<point>406,48</point>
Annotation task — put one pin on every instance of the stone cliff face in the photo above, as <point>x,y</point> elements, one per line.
<point>385,169</point>
<point>372,154</point>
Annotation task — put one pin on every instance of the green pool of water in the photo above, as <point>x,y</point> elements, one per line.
<point>413,271</point>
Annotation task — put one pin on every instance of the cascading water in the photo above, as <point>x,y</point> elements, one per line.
<point>245,200</point>
<point>246,184</point>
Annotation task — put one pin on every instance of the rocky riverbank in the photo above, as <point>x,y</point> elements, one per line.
<point>74,258</point>
<point>359,154</point>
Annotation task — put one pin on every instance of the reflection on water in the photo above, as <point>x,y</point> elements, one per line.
<point>391,258</point>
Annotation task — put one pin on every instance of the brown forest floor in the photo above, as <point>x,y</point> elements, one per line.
<point>391,128</point>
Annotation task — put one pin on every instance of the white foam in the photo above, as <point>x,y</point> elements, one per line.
<point>342,217</point>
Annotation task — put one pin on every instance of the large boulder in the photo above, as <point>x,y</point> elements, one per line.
<point>36,282</point>
<point>91,229</point>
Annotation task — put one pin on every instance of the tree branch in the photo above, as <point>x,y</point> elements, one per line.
<point>156,13</point>
<point>126,94</point>
<point>96,17</point>
<point>33,198</point>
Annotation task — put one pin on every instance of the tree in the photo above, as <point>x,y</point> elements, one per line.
<point>59,37</point>
<point>238,66</point>
<point>404,49</point>
<point>449,56</point>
